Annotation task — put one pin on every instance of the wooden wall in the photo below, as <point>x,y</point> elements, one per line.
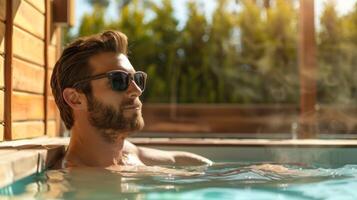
<point>2,62</point>
<point>35,46</point>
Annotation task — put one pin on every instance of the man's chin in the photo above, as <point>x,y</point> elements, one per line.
<point>136,125</point>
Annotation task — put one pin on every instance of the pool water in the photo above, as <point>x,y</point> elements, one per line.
<point>219,181</point>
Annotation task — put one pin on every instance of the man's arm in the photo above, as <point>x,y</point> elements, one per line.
<point>151,156</point>
<point>158,157</point>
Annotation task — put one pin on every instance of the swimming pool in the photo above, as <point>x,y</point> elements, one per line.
<point>315,172</point>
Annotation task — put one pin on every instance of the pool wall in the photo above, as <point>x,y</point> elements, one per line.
<point>321,156</point>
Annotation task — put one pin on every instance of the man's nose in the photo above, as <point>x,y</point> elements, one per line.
<point>133,90</point>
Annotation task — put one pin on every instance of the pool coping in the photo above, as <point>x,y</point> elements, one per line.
<point>244,142</point>
<point>53,141</point>
<point>22,158</point>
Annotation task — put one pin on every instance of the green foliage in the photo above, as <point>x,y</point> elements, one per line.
<point>94,22</point>
<point>195,78</point>
<point>247,55</point>
<point>337,56</point>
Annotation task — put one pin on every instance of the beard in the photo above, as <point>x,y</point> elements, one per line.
<point>110,122</point>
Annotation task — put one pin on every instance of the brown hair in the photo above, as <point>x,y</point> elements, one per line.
<point>73,66</point>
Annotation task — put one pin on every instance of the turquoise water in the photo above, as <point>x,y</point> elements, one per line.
<point>219,181</point>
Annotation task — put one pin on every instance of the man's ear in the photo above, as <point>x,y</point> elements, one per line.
<point>74,99</point>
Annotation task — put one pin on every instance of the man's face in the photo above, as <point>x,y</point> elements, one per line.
<point>114,113</point>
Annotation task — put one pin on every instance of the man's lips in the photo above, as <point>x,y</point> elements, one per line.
<point>131,107</point>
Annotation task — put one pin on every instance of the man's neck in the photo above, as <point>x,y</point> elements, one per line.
<point>88,148</point>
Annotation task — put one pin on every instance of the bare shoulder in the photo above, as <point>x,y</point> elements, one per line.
<point>144,152</point>
<point>149,156</point>
<point>130,147</point>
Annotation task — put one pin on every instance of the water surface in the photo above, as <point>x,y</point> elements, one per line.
<point>219,181</point>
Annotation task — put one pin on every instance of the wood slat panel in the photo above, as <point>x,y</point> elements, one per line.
<point>2,75</point>
<point>28,77</point>
<point>8,70</point>
<point>49,93</point>
<point>52,108</point>
<point>2,37</point>
<point>28,47</point>
<point>51,128</point>
<point>1,132</point>
<point>38,4</point>
<point>2,10</point>
<point>30,19</point>
<point>2,106</point>
<point>27,106</point>
<point>29,129</point>
<point>52,57</point>
<point>54,36</point>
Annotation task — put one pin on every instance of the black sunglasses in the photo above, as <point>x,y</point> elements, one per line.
<point>119,80</point>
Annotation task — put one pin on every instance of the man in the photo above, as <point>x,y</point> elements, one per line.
<point>97,92</point>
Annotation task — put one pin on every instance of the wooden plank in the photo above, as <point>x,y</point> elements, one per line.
<point>51,128</point>
<point>59,124</point>
<point>8,70</point>
<point>28,47</point>
<point>52,56</point>
<point>2,75</point>
<point>52,108</point>
<point>54,35</point>
<point>28,129</point>
<point>205,118</point>
<point>28,77</point>
<point>1,132</point>
<point>2,100</point>
<point>58,45</point>
<point>47,44</point>
<point>307,69</point>
<point>2,37</point>
<point>38,4</point>
<point>49,92</point>
<point>27,106</point>
<point>2,10</point>
<point>29,19</point>
<point>64,12</point>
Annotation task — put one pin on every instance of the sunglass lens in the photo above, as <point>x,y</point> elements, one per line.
<point>140,80</point>
<point>120,81</point>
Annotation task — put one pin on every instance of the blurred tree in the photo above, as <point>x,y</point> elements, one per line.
<point>329,55</point>
<point>222,51</point>
<point>245,55</point>
<point>94,22</point>
<point>268,51</point>
<point>279,62</point>
<point>196,81</point>
<point>349,31</point>
<point>165,38</point>
<point>99,3</point>
<point>337,56</point>
<point>251,48</point>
